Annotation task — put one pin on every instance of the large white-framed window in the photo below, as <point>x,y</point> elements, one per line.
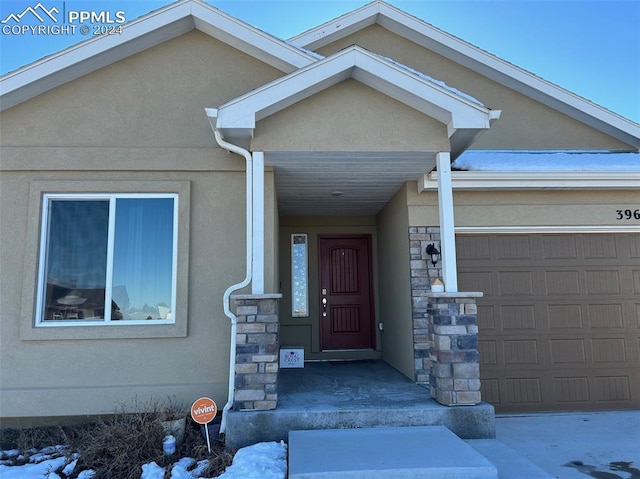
<point>107,259</point>
<point>299,275</point>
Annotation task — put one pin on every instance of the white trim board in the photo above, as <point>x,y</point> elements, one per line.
<point>461,230</point>
<point>498,180</point>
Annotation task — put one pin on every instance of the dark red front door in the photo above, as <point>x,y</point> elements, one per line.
<point>346,313</point>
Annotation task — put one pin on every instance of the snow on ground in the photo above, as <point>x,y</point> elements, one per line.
<point>265,460</point>
<point>549,161</point>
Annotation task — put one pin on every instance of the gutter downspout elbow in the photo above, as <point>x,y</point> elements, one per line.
<point>247,279</point>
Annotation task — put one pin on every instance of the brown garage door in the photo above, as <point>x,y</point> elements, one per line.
<point>560,319</point>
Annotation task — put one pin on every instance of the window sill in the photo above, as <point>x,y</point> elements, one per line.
<point>104,331</point>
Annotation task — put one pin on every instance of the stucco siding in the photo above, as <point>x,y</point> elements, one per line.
<point>350,116</point>
<point>395,286</point>
<point>83,374</point>
<point>271,234</point>
<point>524,124</point>
<point>525,208</point>
<point>153,99</point>
<point>135,126</point>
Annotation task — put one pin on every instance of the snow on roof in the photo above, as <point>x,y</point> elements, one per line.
<point>433,80</point>
<point>604,161</point>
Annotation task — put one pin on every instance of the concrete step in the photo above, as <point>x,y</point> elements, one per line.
<point>353,394</point>
<point>425,452</point>
<point>248,427</point>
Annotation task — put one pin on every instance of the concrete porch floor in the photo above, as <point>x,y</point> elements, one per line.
<point>353,394</point>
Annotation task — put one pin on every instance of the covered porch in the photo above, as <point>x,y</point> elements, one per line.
<point>308,156</point>
<point>353,394</point>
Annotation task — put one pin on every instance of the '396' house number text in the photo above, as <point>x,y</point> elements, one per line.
<point>628,214</point>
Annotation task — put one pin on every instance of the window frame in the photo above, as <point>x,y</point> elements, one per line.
<point>112,198</point>
<point>28,329</point>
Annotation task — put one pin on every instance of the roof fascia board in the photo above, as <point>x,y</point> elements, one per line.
<point>497,180</point>
<point>90,55</point>
<point>342,26</point>
<point>397,82</point>
<point>257,43</point>
<point>140,34</point>
<point>480,61</point>
<point>354,62</point>
<point>508,74</point>
<point>426,104</point>
<point>246,110</point>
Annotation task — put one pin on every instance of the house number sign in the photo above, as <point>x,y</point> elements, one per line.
<point>628,214</point>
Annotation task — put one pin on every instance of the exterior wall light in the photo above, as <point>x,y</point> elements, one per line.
<point>434,253</point>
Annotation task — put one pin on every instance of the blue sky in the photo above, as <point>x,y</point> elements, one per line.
<point>591,48</point>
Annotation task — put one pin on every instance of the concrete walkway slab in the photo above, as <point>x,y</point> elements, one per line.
<point>425,452</point>
<point>509,463</point>
<point>576,445</point>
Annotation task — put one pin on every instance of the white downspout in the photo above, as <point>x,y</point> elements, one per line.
<point>247,279</point>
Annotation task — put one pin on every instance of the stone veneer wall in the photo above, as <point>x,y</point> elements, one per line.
<point>455,361</point>
<point>445,330</point>
<point>422,272</point>
<point>257,345</point>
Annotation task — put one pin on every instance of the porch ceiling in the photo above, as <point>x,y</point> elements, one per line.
<point>309,183</point>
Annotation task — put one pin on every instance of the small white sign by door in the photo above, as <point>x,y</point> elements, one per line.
<point>291,357</point>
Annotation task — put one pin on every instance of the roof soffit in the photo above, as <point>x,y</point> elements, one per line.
<point>138,35</point>
<point>237,118</point>
<point>474,58</point>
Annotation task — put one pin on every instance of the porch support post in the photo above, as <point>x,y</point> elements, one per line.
<point>257,268</point>
<point>258,344</point>
<point>447,231</point>
<point>455,361</point>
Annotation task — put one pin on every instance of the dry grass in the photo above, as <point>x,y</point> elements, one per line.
<point>117,446</point>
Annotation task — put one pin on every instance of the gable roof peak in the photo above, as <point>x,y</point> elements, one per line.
<point>465,118</point>
<point>142,33</point>
<point>474,58</point>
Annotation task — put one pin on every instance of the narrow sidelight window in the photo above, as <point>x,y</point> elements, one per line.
<point>299,276</point>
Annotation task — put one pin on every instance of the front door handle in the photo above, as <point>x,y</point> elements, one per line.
<point>324,307</point>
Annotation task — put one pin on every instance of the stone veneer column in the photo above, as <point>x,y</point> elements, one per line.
<point>422,272</point>
<point>445,329</point>
<point>453,328</point>
<point>257,345</point>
